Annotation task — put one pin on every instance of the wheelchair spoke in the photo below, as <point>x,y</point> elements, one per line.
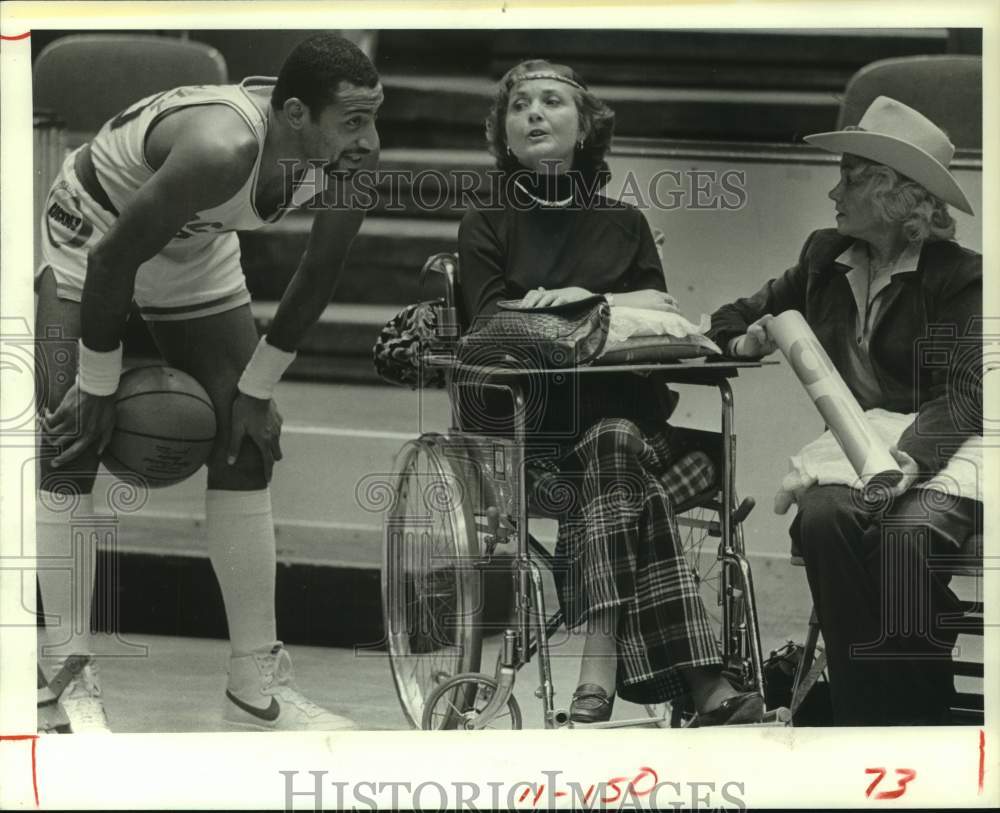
<point>430,589</point>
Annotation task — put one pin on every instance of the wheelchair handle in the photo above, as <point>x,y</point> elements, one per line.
<point>743,511</point>
<point>442,263</point>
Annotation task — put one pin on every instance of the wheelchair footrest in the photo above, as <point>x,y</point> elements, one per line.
<point>637,722</point>
<point>779,716</point>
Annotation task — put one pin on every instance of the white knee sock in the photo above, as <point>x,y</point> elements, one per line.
<point>66,568</point>
<point>241,547</point>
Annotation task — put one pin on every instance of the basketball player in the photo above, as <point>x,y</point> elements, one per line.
<point>148,211</point>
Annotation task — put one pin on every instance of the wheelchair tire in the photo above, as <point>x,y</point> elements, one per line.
<point>458,702</point>
<point>431,588</point>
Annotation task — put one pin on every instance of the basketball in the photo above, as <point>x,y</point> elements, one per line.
<point>165,427</point>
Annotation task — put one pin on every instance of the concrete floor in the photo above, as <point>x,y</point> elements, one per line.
<point>178,686</point>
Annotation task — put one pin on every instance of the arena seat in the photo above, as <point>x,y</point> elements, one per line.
<point>85,79</point>
<point>948,89</point>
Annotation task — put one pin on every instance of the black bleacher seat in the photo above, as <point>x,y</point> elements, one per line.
<point>87,78</point>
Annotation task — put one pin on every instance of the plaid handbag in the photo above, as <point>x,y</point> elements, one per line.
<point>554,337</point>
<point>398,352</point>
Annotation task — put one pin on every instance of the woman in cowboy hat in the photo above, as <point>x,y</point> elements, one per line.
<point>870,290</point>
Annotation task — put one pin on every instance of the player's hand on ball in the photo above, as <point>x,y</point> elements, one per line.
<point>81,421</point>
<point>261,422</point>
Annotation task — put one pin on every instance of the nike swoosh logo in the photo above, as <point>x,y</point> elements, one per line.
<point>270,714</point>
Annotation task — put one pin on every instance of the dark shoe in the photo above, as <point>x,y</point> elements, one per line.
<point>741,709</point>
<point>591,704</point>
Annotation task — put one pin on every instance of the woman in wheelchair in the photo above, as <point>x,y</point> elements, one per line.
<point>870,290</point>
<point>550,237</point>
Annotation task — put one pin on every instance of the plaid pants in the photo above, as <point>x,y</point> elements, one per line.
<point>618,546</point>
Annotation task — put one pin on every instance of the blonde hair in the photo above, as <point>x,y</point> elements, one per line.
<point>897,199</point>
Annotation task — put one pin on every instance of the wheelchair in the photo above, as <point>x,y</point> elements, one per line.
<point>461,501</point>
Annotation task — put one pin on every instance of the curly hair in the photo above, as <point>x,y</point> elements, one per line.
<point>314,69</point>
<point>897,199</point>
<point>595,118</point>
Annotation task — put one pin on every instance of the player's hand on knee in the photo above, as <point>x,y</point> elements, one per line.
<point>81,421</point>
<point>259,420</point>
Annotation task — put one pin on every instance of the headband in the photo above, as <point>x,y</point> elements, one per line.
<point>558,77</point>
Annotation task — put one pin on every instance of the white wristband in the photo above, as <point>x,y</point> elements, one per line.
<point>99,372</point>
<point>264,371</point>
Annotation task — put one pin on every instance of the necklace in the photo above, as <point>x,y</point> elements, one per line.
<point>873,270</point>
<point>557,204</point>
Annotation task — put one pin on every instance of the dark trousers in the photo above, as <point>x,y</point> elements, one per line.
<point>883,601</point>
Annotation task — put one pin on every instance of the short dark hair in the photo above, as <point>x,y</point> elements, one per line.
<point>316,66</point>
<point>595,116</point>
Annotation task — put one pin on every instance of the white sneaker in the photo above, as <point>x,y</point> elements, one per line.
<point>81,700</point>
<point>262,694</point>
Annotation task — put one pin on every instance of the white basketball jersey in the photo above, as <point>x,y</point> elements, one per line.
<point>118,152</point>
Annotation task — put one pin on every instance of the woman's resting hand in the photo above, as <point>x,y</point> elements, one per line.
<point>793,486</point>
<point>910,470</point>
<point>755,343</point>
<point>649,299</point>
<point>542,298</point>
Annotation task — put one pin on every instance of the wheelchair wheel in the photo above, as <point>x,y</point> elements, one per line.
<point>701,552</point>
<point>459,702</point>
<point>431,594</point>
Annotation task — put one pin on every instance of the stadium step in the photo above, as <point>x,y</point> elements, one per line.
<point>436,111</point>
<point>381,268</point>
<point>431,183</point>
<point>338,348</point>
<point>789,59</point>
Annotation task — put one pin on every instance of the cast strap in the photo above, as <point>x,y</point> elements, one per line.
<point>99,372</point>
<point>264,371</point>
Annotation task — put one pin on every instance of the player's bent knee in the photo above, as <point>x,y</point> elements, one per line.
<point>246,473</point>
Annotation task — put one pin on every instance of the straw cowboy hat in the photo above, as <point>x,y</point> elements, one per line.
<point>898,136</point>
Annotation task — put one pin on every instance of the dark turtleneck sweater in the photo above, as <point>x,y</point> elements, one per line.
<point>603,245</point>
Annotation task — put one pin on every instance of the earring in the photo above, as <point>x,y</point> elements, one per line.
<point>579,144</point>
